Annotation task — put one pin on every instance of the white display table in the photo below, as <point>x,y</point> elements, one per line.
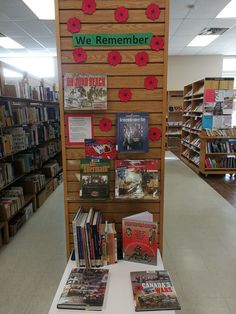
<point>119,296</point>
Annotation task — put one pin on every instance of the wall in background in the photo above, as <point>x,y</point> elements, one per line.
<point>183,70</point>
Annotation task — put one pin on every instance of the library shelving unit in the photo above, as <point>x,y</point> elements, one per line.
<point>129,73</point>
<point>174,119</point>
<point>30,149</point>
<point>193,141</point>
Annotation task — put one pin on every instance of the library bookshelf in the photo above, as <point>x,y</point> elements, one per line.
<point>127,74</point>
<point>194,140</point>
<point>29,149</point>
<point>174,119</point>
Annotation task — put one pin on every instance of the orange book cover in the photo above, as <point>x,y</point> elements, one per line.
<point>139,234</point>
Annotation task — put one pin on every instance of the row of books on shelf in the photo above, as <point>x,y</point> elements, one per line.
<point>21,138</point>
<point>228,163</point>
<point>175,109</point>
<point>34,182</point>
<point>221,146</point>
<point>174,123</point>
<point>12,113</point>
<point>11,201</point>
<point>226,132</point>
<point>134,179</point>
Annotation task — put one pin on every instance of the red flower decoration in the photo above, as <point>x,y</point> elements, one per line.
<point>141,58</point>
<point>73,25</point>
<point>150,82</point>
<point>153,12</point>
<point>157,43</point>
<point>105,124</point>
<point>89,6</point>
<point>121,14</point>
<point>79,55</point>
<point>154,134</point>
<point>138,288</point>
<point>125,94</point>
<point>114,57</point>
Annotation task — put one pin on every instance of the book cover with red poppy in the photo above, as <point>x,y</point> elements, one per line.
<point>132,132</point>
<point>101,148</point>
<point>136,179</point>
<point>94,179</point>
<point>85,91</point>
<point>153,291</point>
<point>139,236</point>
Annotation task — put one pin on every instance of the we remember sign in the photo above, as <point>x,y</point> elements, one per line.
<point>134,39</point>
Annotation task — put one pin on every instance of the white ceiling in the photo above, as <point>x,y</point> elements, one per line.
<point>38,37</point>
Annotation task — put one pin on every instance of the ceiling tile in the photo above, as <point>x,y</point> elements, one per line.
<point>16,10</point>
<point>28,42</point>
<point>192,26</point>
<point>48,42</point>
<point>174,24</point>
<point>178,9</point>
<point>9,28</point>
<point>34,28</point>
<point>51,26</point>
<point>180,41</point>
<point>190,50</point>
<point>207,9</point>
<point>228,23</point>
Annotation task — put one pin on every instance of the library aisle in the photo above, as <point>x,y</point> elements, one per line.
<point>199,242</point>
<point>199,249</point>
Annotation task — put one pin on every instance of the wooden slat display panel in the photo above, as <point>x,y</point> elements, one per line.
<point>127,74</point>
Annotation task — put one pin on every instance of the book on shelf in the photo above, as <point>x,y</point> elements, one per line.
<point>153,291</point>
<point>84,290</point>
<point>94,178</point>
<point>11,201</point>
<point>85,91</point>
<point>132,132</point>
<point>139,236</point>
<point>102,148</point>
<point>136,179</point>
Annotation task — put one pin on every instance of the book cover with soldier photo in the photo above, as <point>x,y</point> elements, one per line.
<point>153,291</point>
<point>84,290</point>
<point>139,236</point>
<point>94,178</point>
<point>136,179</point>
<point>132,132</point>
<point>85,91</point>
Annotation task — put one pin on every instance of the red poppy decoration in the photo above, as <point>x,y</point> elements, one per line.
<point>114,57</point>
<point>157,43</point>
<point>121,14</point>
<point>125,94</point>
<point>79,55</point>
<point>150,82</point>
<point>154,134</point>
<point>73,25</point>
<point>89,6</point>
<point>153,12</point>
<point>105,124</point>
<point>141,58</point>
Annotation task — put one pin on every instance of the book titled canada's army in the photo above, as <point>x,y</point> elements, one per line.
<point>132,132</point>
<point>94,178</point>
<point>153,291</point>
<point>84,290</point>
<point>85,91</point>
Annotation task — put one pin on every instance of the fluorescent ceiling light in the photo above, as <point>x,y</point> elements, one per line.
<point>229,11</point>
<point>7,42</point>
<point>202,40</point>
<point>43,9</point>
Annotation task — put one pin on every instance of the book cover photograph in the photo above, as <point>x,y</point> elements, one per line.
<point>132,132</point>
<point>136,179</point>
<point>153,291</point>
<point>139,235</point>
<point>85,91</point>
<point>84,289</point>
<point>94,178</point>
<point>102,148</point>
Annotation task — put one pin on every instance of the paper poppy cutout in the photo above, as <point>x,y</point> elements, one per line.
<point>153,12</point>
<point>150,82</point>
<point>125,94</point>
<point>154,134</point>
<point>114,58</point>
<point>157,43</point>
<point>89,6</point>
<point>79,55</point>
<point>73,25</point>
<point>105,124</point>
<point>141,58</point>
<point>121,14</point>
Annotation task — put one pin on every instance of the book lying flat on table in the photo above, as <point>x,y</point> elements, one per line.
<point>153,291</point>
<point>139,234</point>
<point>84,290</point>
